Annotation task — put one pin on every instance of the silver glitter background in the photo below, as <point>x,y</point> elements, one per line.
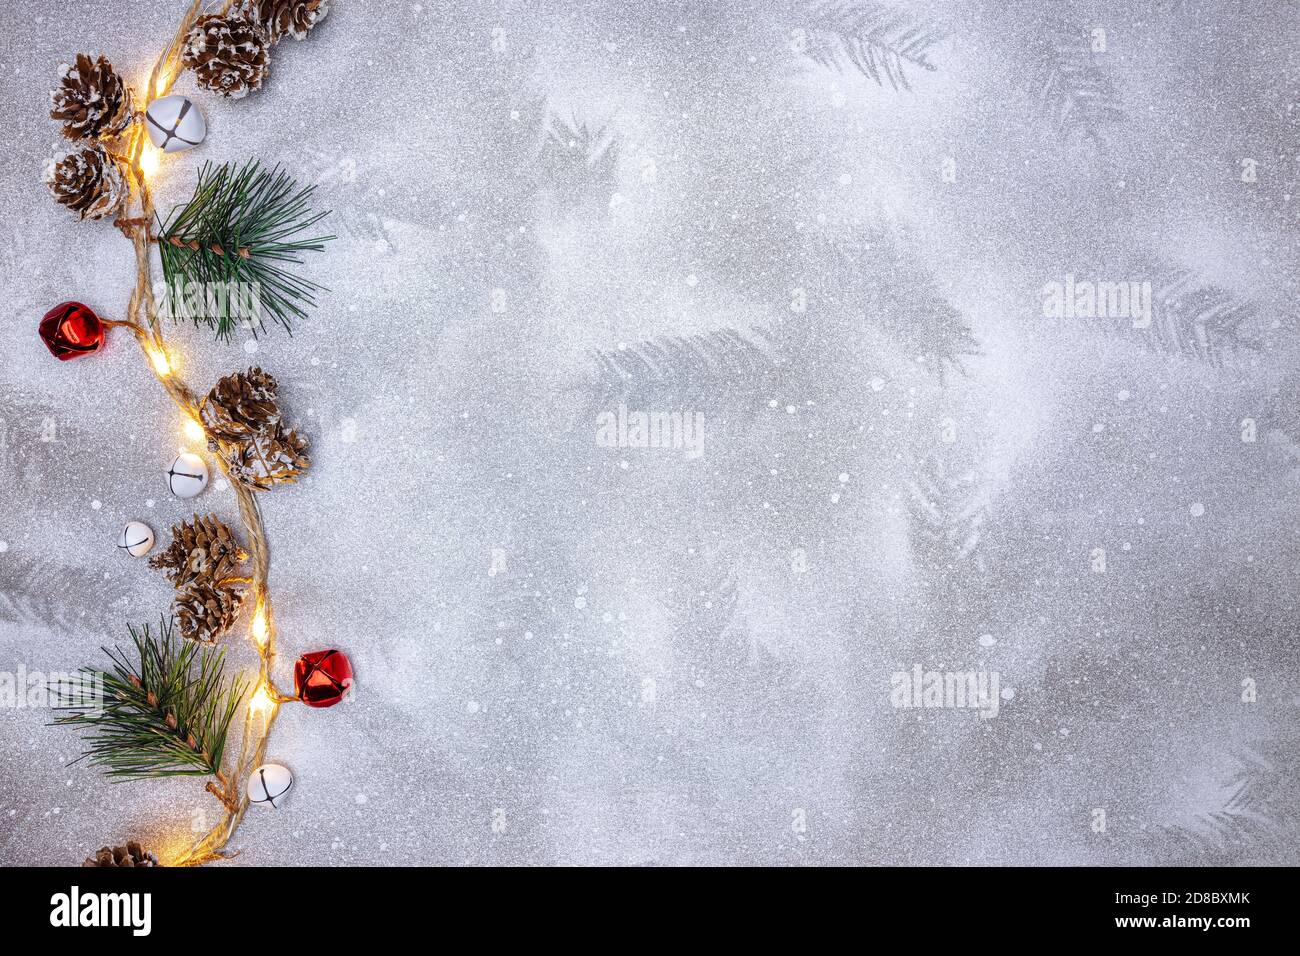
<point>574,654</point>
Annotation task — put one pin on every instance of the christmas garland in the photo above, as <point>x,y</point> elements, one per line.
<point>166,709</point>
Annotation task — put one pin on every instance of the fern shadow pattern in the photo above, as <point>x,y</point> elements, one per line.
<point>877,40</point>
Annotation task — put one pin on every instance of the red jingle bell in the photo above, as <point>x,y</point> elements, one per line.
<point>322,678</point>
<point>70,330</point>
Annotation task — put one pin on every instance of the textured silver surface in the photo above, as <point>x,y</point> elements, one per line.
<point>571,653</point>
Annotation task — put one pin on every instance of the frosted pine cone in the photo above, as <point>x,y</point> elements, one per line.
<point>281,18</point>
<point>202,548</point>
<point>240,406</point>
<point>88,181</point>
<point>277,457</point>
<point>130,854</point>
<point>91,102</point>
<point>205,610</point>
<point>229,55</point>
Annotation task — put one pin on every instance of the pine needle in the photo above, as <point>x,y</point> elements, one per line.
<point>243,225</point>
<point>165,714</point>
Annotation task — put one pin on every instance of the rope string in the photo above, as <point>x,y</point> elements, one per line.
<point>142,319</point>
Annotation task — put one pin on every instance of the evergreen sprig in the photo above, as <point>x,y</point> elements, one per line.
<point>165,714</point>
<point>244,224</point>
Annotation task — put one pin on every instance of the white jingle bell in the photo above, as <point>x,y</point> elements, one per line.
<point>175,124</point>
<point>136,539</point>
<point>188,475</point>
<point>269,785</point>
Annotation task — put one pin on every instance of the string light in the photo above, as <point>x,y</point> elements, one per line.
<point>162,365</point>
<point>266,698</point>
<point>260,704</point>
<point>149,161</point>
<point>261,630</point>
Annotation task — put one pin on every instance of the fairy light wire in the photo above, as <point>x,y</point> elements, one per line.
<point>142,318</point>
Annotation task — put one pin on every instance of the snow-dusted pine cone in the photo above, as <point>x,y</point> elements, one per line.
<point>88,181</point>
<point>205,610</point>
<point>201,548</point>
<point>278,457</point>
<point>294,18</point>
<point>229,55</point>
<point>91,102</point>
<point>132,854</point>
<point>240,406</point>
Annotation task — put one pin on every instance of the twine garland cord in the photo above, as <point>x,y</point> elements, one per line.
<point>142,320</point>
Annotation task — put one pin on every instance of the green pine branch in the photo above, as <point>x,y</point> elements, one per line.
<point>244,224</point>
<point>165,714</point>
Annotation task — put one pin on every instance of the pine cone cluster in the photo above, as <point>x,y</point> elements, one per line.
<point>92,102</point>
<point>203,562</point>
<point>88,181</point>
<point>131,854</point>
<point>282,18</point>
<point>229,55</point>
<point>242,413</point>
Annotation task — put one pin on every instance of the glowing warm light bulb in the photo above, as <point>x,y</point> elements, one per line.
<point>261,629</point>
<point>149,161</point>
<point>260,704</point>
<point>161,364</point>
<point>194,431</point>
